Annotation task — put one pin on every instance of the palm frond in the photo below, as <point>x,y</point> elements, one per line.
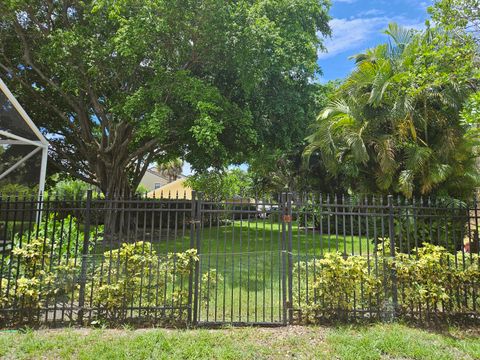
<point>417,157</point>
<point>385,148</point>
<point>400,36</point>
<point>405,182</point>
<point>381,82</point>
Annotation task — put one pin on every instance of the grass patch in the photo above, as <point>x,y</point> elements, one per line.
<point>381,341</point>
<point>396,341</point>
<point>262,235</point>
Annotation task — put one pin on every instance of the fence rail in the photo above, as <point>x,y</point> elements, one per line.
<point>287,258</point>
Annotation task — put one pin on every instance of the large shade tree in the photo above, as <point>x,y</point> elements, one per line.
<point>281,169</point>
<point>460,16</point>
<point>395,125</point>
<point>116,85</point>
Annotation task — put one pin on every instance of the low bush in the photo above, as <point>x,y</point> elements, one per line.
<point>429,281</point>
<point>38,275</point>
<point>333,292</point>
<point>134,277</point>
<point>435,280</point>
<point>42,275</point>
<point>211,282</point>
<point>41,269</point>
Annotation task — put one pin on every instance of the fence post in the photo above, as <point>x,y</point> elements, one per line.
<point>393,274</point>
<point>290,257</point>
<point>83,273</point>
<point>197,234</point>
<point>191,319</point>
<point>475,247</point>
<point>287,266</point>
<point>284,258</point>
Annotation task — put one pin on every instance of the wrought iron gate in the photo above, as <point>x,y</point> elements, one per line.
<point>241,276</point>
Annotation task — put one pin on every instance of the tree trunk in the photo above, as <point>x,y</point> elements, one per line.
<point>116,185</point>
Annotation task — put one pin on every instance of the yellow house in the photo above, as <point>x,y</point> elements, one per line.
<point>172,190</point>
<point>153,180</point>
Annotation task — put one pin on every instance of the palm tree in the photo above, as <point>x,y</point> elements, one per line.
<point>391,128</point>
<point>171,169</point>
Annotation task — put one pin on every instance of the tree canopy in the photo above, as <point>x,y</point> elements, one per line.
<point>223,184</point>
<point>463,16</point>
<point>281,169</point>
<point>116,85</point>
<point>395,124</point>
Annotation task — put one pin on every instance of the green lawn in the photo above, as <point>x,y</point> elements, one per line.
<point>259,236</point>
<point>381,341</point>
<point>242,265</point>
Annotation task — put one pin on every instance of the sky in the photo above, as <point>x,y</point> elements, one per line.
<point>358,25</point>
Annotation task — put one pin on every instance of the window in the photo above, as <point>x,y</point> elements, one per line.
<point>157,185</point>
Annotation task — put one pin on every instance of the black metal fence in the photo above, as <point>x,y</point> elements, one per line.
<point>182,260</point>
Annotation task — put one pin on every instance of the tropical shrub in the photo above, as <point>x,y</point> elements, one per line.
<point>16,189</point>
<point>429,281</point>
<point>42,273</point>
<point>435,280</point>
<point>211,281</point>
<point>38,272</point>
<point>42,266</point>
<point>133,276</point>
<point>70,190</point>
<point>120,278</point>
<point>333,290</point>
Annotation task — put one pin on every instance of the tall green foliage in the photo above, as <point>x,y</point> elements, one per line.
<point>221,185</point>
<point>119,84</point>
<point>462,15</point>
<point>282,169</point>
<point>395,124</point>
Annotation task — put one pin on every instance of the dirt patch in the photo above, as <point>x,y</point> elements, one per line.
<point>284,333</point>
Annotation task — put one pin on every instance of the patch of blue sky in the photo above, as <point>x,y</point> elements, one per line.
<point>358,25</point>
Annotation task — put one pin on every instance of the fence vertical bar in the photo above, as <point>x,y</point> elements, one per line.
<point>192,318</point>
<point>476,245</point>
<point>392,255</point>
<point>288,210</point>
<point>476,248</point>
<point>284,258</point>
<point>197,232</point>
<point>83,273</point>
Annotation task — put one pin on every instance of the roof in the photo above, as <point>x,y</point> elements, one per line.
<point>156,173</point>
<point>159,174</point>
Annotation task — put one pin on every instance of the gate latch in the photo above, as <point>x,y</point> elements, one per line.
<point>287,218</point>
